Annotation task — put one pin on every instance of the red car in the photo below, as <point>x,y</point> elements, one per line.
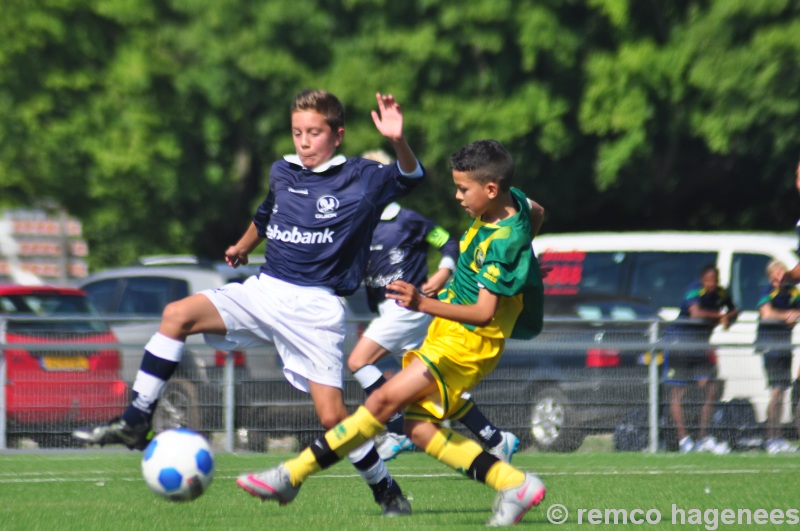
<point>66,370</point>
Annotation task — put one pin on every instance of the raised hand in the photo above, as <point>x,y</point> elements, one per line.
<point>389,117</point>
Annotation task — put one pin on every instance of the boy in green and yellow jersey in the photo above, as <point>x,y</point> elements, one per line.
<point>496,293</point>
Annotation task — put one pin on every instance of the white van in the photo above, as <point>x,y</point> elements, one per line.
<point>659,266</point>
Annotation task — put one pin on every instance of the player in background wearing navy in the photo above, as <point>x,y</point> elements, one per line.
<point>496,293</point>
<point>778,308</point>
<point>399,251</point>
<point>704,302</point>
<point>318,216</point>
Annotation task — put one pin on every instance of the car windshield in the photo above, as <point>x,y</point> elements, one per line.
<point>49,305</point>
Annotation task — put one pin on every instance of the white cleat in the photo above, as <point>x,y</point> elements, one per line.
<point>510,505</point>
<point>507,447</point>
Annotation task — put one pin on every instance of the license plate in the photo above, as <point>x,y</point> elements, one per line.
<point>65,363</point>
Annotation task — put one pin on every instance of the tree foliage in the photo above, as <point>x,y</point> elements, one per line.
<point>156,121</point>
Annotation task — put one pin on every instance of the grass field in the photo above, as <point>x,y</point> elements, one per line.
<point>91,490</point>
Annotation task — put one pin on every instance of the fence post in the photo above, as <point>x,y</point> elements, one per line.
<point>653,388</point>
<point>230,406</point>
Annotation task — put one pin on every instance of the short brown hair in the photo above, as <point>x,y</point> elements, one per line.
<point>486,161</point>
<point>322,102</point>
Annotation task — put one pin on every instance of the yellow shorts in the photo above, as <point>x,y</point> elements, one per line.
<point>458,359</point>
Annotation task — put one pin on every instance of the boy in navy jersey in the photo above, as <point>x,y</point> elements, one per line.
<point>399,251</point>
<point>496,293</point>
<point>318,216</point>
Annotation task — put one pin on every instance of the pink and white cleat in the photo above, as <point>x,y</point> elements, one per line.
<point>512,504</point>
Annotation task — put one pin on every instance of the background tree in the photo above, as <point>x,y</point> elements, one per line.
<point>156,121</point>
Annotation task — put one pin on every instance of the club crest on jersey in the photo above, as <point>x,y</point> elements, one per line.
<point>396,256</point>
<point>327,205</point>
<point>479,257</point>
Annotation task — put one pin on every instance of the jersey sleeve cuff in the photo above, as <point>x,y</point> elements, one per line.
<point>447,262</point>
<point>416,173</point>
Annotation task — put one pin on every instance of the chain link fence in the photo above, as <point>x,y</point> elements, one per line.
<point>575,380</point>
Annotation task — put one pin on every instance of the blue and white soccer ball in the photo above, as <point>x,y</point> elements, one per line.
<point>178,464</point>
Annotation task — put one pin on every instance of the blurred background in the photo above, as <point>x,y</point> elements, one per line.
<point>152,124</point>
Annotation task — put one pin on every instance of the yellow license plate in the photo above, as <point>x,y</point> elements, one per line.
<point>65,363</point>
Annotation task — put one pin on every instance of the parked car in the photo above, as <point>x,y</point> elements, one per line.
<point>659,266</point>
<point>57,378</point>
<point>194,395</point>
<point>583,374</point>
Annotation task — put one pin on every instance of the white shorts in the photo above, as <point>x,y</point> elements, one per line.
<point>397,329</point>
<point>306,324</point>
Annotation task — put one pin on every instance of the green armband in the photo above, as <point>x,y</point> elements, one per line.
<point>437,237</point>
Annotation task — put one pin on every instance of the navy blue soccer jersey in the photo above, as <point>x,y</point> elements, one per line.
<point>399,251</point>
<point>319,224</point>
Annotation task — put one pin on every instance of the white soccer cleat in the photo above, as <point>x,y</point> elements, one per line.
<point>706,444</point>
<point>686,445</point>
<point>779,446</point>
<point>510,505</point>
<point>392,444</point>
<point>507,447</point>
<point>273,484</point>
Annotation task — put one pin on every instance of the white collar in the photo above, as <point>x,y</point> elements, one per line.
<point>338,160</point>
<point>390,212</point>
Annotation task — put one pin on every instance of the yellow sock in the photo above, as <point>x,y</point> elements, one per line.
<point>502,476</point>
<point>453,450</point>
<point>302,466</point>
<point>346,436</point>
<point>460,453</point>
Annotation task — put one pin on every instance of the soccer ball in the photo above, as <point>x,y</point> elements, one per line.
<point>178,464</point>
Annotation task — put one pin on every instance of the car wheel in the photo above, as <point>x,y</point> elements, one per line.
<point>178,407</point>
<point>552,421</point>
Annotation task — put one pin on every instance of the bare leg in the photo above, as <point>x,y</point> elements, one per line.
<point>774,413</point>
<point>708,407</point>
<point>676,409</point>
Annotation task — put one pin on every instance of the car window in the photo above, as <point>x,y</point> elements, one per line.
<point>149,295</point>
<point>102,294</point>
<point>622,313</point>
<point>585,272</point>
<point>748,279</point>
<point>589,312</point>
<point>663,276</point>
<point>49,305</point>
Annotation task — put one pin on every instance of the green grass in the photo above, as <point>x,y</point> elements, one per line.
<point>104,490</point>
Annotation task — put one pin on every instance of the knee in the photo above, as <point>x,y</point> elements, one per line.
<point>329,420</point>
<point>420,433</point>
<point>175,315</point>
<point>353,363</point>
<point>381,405</point>
<point>331,416</point>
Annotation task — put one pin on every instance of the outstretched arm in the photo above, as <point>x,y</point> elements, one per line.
<point>237,254</point>
<point>478,314</point>
<point>389,122</point>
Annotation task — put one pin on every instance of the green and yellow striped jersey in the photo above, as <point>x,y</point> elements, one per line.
<point>499,257</point>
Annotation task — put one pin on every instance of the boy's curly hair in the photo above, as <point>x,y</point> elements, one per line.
<point>322,102</point>
<point>486,161</point>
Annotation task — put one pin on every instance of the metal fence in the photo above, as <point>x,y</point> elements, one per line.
<point>552,391</point>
